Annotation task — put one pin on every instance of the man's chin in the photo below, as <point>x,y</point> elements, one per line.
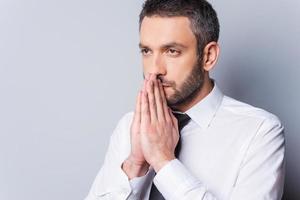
<point>171,98</point>
<point>175,101</point>
<point>171,101</point>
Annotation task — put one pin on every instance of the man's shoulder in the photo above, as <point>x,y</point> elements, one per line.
<point>121,132</point>
<point>245,110</point>
<point>126,120</point>
<point>127,117</point>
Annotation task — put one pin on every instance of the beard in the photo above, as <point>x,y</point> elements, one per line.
<point>186,92</point>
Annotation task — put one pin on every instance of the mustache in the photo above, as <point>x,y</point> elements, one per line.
<point>166,82</point>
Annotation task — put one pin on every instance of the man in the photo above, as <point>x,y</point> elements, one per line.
<point>226,150</point>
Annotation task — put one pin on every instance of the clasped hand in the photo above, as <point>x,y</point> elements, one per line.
<point>154,130</point>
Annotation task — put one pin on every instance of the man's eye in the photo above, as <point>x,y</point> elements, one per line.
<point>173,52</point>
<point>144,51</point>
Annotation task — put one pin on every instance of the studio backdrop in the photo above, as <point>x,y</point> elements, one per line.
<point>70,69</point>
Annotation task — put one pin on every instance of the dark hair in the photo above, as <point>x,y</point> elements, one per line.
<point>203,18</point>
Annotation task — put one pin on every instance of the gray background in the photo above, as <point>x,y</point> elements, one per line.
<point>70,69</point>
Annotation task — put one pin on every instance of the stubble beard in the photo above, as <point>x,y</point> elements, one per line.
<point>189,89</point>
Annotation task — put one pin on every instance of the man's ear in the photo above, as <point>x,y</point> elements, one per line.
<point>210,55</point>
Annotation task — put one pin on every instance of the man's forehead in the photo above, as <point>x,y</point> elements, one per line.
<point>166,31</point>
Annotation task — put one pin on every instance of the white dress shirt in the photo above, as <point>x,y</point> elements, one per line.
<point>230,150</point>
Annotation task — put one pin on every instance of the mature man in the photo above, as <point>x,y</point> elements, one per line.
<point>185,139</point>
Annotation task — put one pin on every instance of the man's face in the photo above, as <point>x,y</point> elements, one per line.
<point>168,48</point>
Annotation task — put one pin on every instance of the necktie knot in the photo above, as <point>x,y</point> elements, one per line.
<point>182,118</point>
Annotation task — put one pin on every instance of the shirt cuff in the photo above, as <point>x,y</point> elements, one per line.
<point>174,181</point>
<point>112,179</point>
<point>137,184</point>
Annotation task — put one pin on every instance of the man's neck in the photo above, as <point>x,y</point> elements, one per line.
<point>203,92</point>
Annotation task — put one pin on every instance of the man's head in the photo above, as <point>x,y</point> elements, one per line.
<point>178,41</point>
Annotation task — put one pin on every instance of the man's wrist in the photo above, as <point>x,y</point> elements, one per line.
<point>134,169</point>
<point>160,164</point>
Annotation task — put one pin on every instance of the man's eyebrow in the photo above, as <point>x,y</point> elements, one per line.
<point>165,46</point>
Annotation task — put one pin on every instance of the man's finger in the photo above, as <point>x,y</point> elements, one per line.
<point>174,122</point>
<point>159,103</point>
<point>145,114</point>
<point>174,119</point>
<point>137,112</point>
<point>152,103</point>
<point>164,102</point>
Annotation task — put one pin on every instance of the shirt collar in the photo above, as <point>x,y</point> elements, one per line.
<point>204,111</point>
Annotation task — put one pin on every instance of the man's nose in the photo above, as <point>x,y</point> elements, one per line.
<point>158,65</point>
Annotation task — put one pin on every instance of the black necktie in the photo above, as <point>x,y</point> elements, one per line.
<point>183,120</point>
